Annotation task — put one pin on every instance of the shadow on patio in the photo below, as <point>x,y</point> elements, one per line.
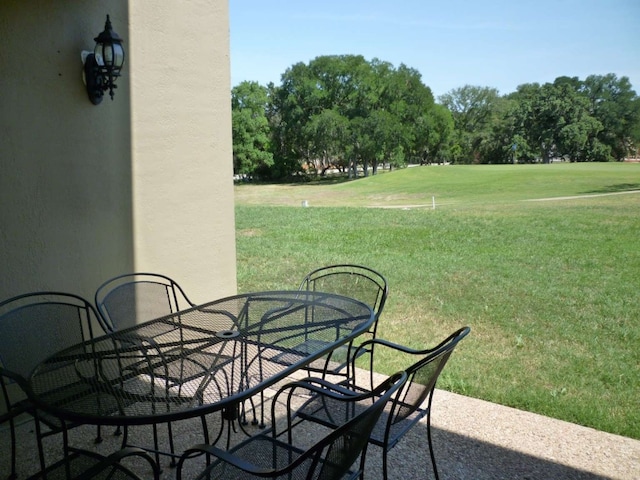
<point>473,440</point>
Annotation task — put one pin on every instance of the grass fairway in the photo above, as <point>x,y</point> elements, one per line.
<point>550,288</point>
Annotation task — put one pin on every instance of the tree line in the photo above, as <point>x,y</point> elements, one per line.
<point>348,114</point>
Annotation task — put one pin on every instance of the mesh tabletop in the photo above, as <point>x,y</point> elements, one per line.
<point>204,359</point>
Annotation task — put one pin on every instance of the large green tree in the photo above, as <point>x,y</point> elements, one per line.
<point>616,106</point>
<point>472,108</point>
<point>344,111</point>
<point>553,121</point>
<point>251,131</point>
<point>433,133</point>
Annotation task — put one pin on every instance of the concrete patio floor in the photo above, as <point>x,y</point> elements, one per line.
<point>474,440</point>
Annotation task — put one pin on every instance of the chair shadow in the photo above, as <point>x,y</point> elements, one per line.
<point>463,458</point>
<point>459,457</point>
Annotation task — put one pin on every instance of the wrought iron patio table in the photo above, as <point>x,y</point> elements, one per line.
<point>205,359</point>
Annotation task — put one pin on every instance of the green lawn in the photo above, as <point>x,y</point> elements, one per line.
<point>551,289</point>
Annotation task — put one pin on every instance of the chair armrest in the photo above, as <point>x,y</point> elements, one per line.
<point>314,387</point>
<point>380,341</point>
<point>322,386</point>
<point>15,377</point>
<point>14,408</point>
<point>368,345</point>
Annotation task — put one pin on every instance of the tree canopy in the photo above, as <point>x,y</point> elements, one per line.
<point>342,112</point>
<point>251,130</point>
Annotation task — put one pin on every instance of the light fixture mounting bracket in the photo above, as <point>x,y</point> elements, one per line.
<point>93,79</point>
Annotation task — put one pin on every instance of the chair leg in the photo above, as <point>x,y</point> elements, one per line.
<point>156,444</point>
<point>205,429</point>
<point>433,457</point>
<point>98,436</point>
<point>385,466</point>
<point>218,436</point>
<point>205,434</point>
<point>125,437</point>
<point>12,429</point>
<point>40,447</point>
<point>173,462</point>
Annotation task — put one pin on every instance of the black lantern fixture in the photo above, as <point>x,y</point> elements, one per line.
<point>102,67</point>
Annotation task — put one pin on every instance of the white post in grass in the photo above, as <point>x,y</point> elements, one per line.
<point>433,202</point>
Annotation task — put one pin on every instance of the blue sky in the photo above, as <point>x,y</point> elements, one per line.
<point>452,43</point>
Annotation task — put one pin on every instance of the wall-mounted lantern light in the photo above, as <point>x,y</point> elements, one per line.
<point>102,67</point>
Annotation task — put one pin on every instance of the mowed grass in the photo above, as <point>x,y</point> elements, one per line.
<point>462,186</point>
<point>551,289</point>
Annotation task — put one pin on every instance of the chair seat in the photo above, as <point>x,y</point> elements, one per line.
<point>339,359</point>
<point>330,413</point>
<point>262,452</point>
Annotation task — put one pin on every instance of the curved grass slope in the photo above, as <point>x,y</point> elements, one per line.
<point>453,185</point>
<point>550,289</point>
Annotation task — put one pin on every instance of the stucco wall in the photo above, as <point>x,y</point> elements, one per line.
<point>141,183</point>
<point>181,121</point>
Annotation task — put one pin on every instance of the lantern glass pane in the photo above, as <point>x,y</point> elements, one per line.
<point>99,55</point>
<point>107,50</point>
<point>118,56</point>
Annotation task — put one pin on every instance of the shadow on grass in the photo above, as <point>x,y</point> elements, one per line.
<point>620,187</point>
<point>306,180</point>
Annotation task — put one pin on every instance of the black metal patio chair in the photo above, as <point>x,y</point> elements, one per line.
<point>129,299</point>
<point>33,326</point>
<point>355,281</point>
<point>350,280</point>
<point>411,403</point>
<point>277,453</point>
<point>75,463</point>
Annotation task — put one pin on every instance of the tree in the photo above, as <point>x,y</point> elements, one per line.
<point>617,107</point>
<point>554,120</point>
<point>328,132</point>
<point>433,133</point>
<point>342,110</point>
<point>501,142</point>
<point>251,131</point>
<point>327,83</point>
<point>472,110</point>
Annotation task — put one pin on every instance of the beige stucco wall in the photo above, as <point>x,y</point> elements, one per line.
<point>182,176</point>
<point>141,183</point>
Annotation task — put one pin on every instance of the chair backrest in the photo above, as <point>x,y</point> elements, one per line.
<point>333,456</point>
<point>355,281</point>
<point>423,368</point>
<point>126,300</point>
<point>36,325</point>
